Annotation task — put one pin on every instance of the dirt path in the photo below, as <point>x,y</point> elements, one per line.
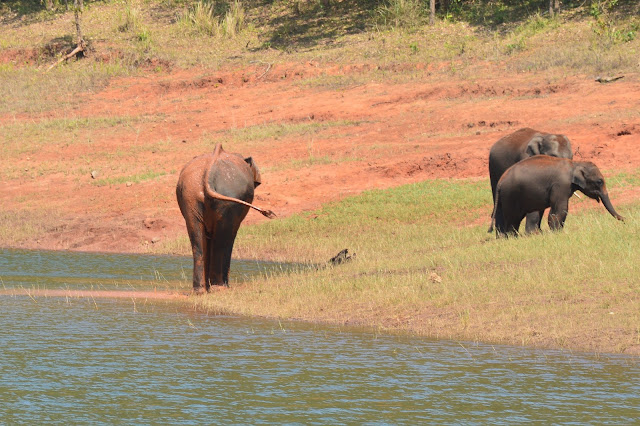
<point>369,134</point>
<point>95,294</point>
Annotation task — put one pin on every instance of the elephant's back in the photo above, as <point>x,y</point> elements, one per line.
<point>509,150</point>
<point>516,139</point>
<point>192,174</point>
<point>544,162</point>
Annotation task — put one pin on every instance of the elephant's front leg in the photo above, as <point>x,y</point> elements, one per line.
<point>558,213</point>
<point>196,230</point>
<point>225,230</point>
<point>219,263</point>
<point>219,252</point>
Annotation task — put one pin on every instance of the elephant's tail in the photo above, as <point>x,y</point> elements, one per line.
<point>213,194</point>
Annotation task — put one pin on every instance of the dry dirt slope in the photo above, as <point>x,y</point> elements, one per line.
<point>335,140</point>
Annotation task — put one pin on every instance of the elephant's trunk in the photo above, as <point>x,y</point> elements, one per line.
<point>607,205</point>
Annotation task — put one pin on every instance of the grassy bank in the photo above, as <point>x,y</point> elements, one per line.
<point>426,265</point>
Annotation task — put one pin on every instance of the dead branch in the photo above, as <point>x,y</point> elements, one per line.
<point>79,48</point>
<point>266,71</point>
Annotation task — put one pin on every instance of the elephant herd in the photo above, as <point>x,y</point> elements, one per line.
<point>529,170</point>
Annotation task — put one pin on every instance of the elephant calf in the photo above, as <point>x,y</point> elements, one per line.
<point>214,193</point>
<point>542,181</point>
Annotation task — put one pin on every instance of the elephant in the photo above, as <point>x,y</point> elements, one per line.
<point>214,193</point>
<point>517,146</point>
<point>543,181</point>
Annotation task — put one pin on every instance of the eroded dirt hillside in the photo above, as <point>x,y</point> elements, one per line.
<point>319,133</point>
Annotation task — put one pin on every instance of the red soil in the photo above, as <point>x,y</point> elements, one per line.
<point>435,127</point>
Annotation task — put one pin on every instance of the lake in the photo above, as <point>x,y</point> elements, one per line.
<point>138,361</point>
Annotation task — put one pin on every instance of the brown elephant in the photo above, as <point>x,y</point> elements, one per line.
<point>517,146</point>
<point>542,181</point>
<point>214,193</point>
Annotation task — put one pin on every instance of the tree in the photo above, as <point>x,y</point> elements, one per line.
<point>81,44</point>
<point>432,13</point>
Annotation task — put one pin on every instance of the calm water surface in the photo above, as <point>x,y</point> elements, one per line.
<point>126,361</point>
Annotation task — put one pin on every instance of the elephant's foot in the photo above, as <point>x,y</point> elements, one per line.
<point>198,291</point>
<point>219,286</point>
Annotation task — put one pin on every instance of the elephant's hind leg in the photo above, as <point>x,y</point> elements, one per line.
<point>512,221</point>
<point>499,220</point>
<point>197,236</point>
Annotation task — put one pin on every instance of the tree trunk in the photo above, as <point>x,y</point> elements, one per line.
<point>432,14</point>
<point>48,4</point>
<point>78,6</point>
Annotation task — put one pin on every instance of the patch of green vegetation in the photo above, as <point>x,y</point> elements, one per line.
<point>17,226</point>
<point>421,253</point>
<point>313,160</point>
<point>28,137</point>
<point>283,130</point>
<point>28,90</point>
<point>534,25</point>
<point>137,178</point>
<point>381,32</point>
<point>218,19</point>
<point>406,14</point>
<point>623,179</point>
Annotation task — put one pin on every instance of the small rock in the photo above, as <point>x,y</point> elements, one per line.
<point>94,174</point>
<point>129,184</point>
<point>435,277</point>
<point>155,240</point>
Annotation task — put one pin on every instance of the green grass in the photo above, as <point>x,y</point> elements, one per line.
<point>17,226</point>
<point>423,254</point>
<point>28,137</point>
<point>132,33</point>
<point>277,131</point>
<point>29,90</point>
<point>137,178</point>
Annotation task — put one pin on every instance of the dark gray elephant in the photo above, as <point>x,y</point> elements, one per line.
<point>214,193</point>
<point>542,181</point>
<point>517,146</point>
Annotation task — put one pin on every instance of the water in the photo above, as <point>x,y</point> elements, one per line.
<point>103,361</point>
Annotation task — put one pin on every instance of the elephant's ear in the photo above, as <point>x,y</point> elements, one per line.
<point>257,180</point>
<point>578,178</point>
<point>534,146</point>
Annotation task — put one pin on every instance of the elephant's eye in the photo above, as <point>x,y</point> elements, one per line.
<point>599,182</point>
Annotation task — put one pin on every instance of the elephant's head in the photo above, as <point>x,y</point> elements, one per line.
<point>587,178</point>
<point>257,180</point>
<point>549,144</point>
